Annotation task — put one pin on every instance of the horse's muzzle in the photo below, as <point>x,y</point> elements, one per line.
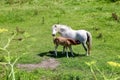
<point>53,34</point>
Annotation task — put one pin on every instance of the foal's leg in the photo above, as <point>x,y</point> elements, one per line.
<point>67,52</point>
<point>86,49</point>
<point>56,46</point>
<point>63,50</point>
<point>70,47</point>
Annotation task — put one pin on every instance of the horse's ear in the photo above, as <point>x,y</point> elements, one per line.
<point>55,26</point>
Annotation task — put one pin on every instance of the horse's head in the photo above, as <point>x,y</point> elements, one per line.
<point>61,29</point>
<point>54,30</point>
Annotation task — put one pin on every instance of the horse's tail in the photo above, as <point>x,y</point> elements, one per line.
<point>89,41</point>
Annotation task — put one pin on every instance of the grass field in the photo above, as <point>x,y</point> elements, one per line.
<point>34,19</point>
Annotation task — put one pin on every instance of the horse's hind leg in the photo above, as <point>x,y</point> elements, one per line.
<point>88,45</point>
<point>86,49</point>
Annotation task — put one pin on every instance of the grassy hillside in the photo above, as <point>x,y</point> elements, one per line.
<point>35,18</point>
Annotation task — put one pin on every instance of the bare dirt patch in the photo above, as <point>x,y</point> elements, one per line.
<point>48,64</point>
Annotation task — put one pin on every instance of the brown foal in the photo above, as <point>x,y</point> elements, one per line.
<point>66,43</point>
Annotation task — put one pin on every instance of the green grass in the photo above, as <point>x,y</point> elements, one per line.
<point>37,18</point>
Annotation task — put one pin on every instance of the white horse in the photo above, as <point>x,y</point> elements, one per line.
<point>83,36</point>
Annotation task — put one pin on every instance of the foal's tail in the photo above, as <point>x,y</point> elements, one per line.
<point>89,41</point>
<point>72,42</point>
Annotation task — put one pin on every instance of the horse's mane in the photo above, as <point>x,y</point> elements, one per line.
<point>63,26</point>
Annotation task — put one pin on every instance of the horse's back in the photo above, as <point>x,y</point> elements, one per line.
<point>82,31</point>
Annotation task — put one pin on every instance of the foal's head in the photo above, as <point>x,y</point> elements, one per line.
<point>60,40</point>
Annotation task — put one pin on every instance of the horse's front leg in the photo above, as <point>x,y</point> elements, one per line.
<point>85,47</point>
<point>56,46</point>
<point>70,47</point>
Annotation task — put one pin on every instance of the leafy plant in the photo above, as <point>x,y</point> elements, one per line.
<point>93,67</point>
<point>9,64</point>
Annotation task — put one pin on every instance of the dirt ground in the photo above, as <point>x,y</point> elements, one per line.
<point>47,64</point>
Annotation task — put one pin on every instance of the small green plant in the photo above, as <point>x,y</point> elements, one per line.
<point>18,1</point>
<point>9,64</point>
<point>111,0</point>
<point>93,67</point>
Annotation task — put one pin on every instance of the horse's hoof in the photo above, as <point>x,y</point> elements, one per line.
<point>87,54</point>
<point>67,56</point>
<point>55,55</point>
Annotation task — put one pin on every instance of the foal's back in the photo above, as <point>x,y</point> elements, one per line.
<point>64,41</point>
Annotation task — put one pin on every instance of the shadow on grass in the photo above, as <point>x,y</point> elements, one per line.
<point>59,54</point>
